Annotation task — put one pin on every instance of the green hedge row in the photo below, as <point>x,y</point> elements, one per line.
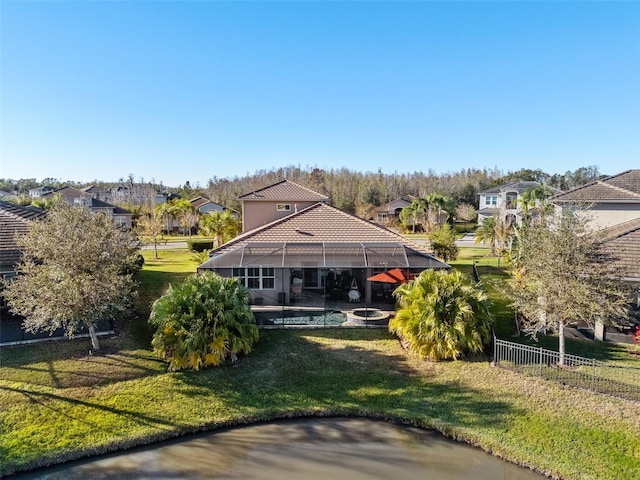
<point>200,245</point>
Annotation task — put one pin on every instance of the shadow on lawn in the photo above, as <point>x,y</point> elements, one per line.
<point>303,373</point>
<point>65,368</point>
<point>42,398</point>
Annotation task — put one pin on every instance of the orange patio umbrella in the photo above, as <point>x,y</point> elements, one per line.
<point>391,276</point>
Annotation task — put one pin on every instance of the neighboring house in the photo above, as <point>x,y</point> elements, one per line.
<point>98,193</point>
<point>136,194</point>
<point>14,221</point>
<point>40,191</point>
<point>204,205</point>
<point>622,245</point>
<point>78,198</point>
<point>201,205</point>
<point>505,202</point>
<point>612,206</point>
<point>317,249</point>
<point>389,213</point>
<point>276,201</point>
<point>608,202</point>
<point>6,196</point>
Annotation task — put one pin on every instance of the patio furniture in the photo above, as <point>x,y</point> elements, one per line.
<point>354,293</point>
<point>354,296</point>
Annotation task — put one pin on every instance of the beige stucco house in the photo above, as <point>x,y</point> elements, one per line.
<point>612,206</point>
<point>607,202</point>
<point>314,251</point>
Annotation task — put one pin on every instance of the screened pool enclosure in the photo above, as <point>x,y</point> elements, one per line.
<point>326,276</point>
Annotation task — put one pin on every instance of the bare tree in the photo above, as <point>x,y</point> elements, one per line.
<point>151,228</point>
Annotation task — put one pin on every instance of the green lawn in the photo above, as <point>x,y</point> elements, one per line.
<point>57,403</point>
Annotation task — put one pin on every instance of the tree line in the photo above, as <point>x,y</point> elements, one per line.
<point>350,190</point>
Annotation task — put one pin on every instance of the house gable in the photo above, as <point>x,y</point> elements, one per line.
<point>276,201</point>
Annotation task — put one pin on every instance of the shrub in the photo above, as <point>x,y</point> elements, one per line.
<point>205,320</point>
<point>200,245</point>
<point>442,315</point>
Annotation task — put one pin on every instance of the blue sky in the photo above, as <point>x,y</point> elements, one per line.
<point>180,91</point>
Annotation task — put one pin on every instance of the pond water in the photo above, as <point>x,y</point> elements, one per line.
<point>307,449</point>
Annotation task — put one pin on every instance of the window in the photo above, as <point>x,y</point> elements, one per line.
<point>283,207</point>
<point>256,278</point>
<point>491,200</point>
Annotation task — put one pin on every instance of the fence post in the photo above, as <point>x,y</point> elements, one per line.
<point>495,350</point>
<point>593,374</point>
<point>540,362</point>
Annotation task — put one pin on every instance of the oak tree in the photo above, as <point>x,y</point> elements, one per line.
<point>77,269</point>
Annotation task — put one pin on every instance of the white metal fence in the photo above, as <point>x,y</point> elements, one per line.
<point>617,380</point>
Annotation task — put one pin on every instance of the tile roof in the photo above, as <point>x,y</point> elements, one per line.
<point>622,243</point>
<point>322,223</point>
<point>515,187</point>
<point>199,201</point>
<point>14,220</point>
<point>95,203</point>
<point>395,204</point>
<point>623,187</point>
<point>285,190</point>
<point>67,192</point>
<point>629,180</point>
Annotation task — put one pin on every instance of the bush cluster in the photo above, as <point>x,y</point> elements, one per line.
<point>200,245</point>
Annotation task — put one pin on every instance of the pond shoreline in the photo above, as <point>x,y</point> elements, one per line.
<point>177,435</point>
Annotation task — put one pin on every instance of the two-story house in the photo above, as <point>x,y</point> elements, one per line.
<point>78,198</point>
<point>294,248</point>
<point>505,202</point>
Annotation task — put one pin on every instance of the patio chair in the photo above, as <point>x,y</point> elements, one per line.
<point>354,296</point>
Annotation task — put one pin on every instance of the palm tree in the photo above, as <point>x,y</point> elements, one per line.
<point>410,213</point>
<point>486,232</point>
<point>206,320</point>
<point>504,232</point>
<point>182,209</point>
<point>223,225</point>
<point>433,205</point>
<point>442,315</point>
<point>535,197</point>
<point>164,210</point>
